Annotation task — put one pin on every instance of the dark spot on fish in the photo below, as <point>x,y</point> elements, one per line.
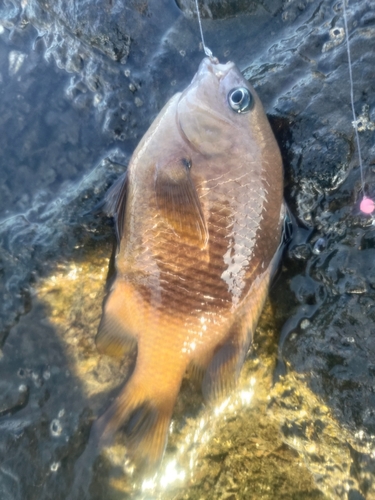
<point>186,162</point>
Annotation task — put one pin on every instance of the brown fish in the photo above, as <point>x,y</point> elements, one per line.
<point>199,220</point>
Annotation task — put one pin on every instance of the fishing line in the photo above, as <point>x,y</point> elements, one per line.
<point>207,51</point>
<point>367,205</point>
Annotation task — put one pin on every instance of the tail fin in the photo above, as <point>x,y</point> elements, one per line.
<point>144,420</point>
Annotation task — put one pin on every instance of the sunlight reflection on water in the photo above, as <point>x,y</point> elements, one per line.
<point>173,473</point>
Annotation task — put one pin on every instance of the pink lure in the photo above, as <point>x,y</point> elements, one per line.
<point>367,205</point>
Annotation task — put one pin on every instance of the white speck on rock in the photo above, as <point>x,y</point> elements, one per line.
<point>55,466</point>
<point>16,59</point>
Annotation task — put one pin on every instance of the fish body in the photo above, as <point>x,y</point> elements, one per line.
<point>199,220</point>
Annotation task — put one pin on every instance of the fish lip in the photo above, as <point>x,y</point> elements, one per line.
<point>213,66</point>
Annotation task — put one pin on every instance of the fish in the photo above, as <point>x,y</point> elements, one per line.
<point>198,220</point>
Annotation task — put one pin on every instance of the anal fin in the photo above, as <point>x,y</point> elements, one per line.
<point>196,372</point>
<point>223,371</point>
<point>224,368</point>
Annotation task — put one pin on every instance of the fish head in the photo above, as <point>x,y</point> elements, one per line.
<point>220,112</point>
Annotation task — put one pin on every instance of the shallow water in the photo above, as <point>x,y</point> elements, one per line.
<point>80,83</point>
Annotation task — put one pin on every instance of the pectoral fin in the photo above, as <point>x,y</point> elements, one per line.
<point>179,203</point>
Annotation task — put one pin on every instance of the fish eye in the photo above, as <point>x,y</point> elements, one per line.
<point>240,100</point>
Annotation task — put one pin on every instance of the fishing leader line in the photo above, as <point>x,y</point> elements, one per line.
<point>207,51</point>
<point>367,205</point>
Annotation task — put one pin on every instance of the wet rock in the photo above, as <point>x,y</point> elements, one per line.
<point>13,400</point>
<point>218,9</point>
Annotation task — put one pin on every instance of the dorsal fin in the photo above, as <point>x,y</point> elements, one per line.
<point>178,201</point>
<point>114,336</point>
<point>115,203</point>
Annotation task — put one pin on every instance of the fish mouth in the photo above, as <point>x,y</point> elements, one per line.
<point>212,65</point>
